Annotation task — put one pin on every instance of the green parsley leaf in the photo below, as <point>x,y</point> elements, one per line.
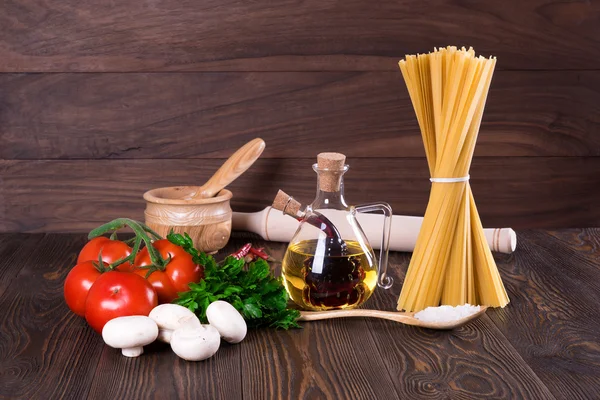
<point>251,289</point>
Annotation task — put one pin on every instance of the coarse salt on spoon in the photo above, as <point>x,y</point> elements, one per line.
<point>407,318</point>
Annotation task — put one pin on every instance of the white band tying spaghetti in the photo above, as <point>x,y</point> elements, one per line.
<point>450,180</point>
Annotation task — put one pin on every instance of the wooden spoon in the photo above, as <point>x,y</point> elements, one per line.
<point>407,318</point>
<point>235,166</point>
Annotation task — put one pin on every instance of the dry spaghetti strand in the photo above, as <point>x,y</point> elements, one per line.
<point>452,263</point>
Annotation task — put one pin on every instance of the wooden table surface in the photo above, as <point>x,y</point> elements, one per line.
<point>544,345</point>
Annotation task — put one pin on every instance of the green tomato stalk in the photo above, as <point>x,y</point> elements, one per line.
<point>143,234</point>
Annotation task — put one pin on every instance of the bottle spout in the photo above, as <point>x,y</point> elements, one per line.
<point>288,205</point>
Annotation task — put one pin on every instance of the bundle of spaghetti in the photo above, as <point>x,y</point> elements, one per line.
<point>452,263</point>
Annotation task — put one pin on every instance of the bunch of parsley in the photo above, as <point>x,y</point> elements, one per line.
<point>252,289</point>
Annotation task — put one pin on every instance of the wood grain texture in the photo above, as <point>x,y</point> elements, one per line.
<point>553,319</point>
<point>12,248</point>
<point>160,374</point>
<point>543,345</point>
<point>332,360</point>
<point>232,168</point>
<point>298,114</point>
<point>163,35</point>
<point>580,242</point>
<point>46,352</point>
<point>208,238</point>
<point>206,220</point>
<point>396,316</point>
<point>47,196</point>
<point>468,362</point>
<point>311,364</point>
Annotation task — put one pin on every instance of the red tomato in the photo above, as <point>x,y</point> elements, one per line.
<point>78,284</point>
<point>178,273</point>
<point>118,294</point>
<point>112,250</point>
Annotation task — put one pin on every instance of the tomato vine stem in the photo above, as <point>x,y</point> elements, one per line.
<point>143,234</point>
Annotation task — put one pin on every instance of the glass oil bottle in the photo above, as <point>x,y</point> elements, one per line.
<point>329,264</point>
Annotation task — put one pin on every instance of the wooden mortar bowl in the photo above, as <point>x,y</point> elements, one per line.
<point>207,221</point>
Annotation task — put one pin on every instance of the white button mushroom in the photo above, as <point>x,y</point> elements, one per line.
<point>130,334</point>
<point>167,318</point>
<point>195,343</point>
<point>228,321</point>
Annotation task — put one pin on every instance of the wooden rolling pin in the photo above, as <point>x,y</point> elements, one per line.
<point>273,225</point>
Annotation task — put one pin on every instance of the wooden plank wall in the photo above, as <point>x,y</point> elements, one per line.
<point>101,100</point>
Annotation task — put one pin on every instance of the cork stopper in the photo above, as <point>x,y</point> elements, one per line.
<point>286,203</point>
<point>331,161</point>
<point>331,166</point>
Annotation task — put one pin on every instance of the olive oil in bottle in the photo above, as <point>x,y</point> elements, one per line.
<point>332,266</point>
<point>322,275</point>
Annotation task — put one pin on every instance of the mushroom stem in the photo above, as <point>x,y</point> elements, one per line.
<point>130,334</point>
<point>167,317</point>
<point>133,351</point>
<point>164,335</point>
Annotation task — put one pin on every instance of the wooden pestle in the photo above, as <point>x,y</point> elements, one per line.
<point>235,166</point>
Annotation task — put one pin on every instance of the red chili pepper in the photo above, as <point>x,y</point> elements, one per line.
<point>243,251</point>
<point>259,253</point>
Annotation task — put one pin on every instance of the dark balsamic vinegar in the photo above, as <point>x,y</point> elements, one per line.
<point>324,275</point>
